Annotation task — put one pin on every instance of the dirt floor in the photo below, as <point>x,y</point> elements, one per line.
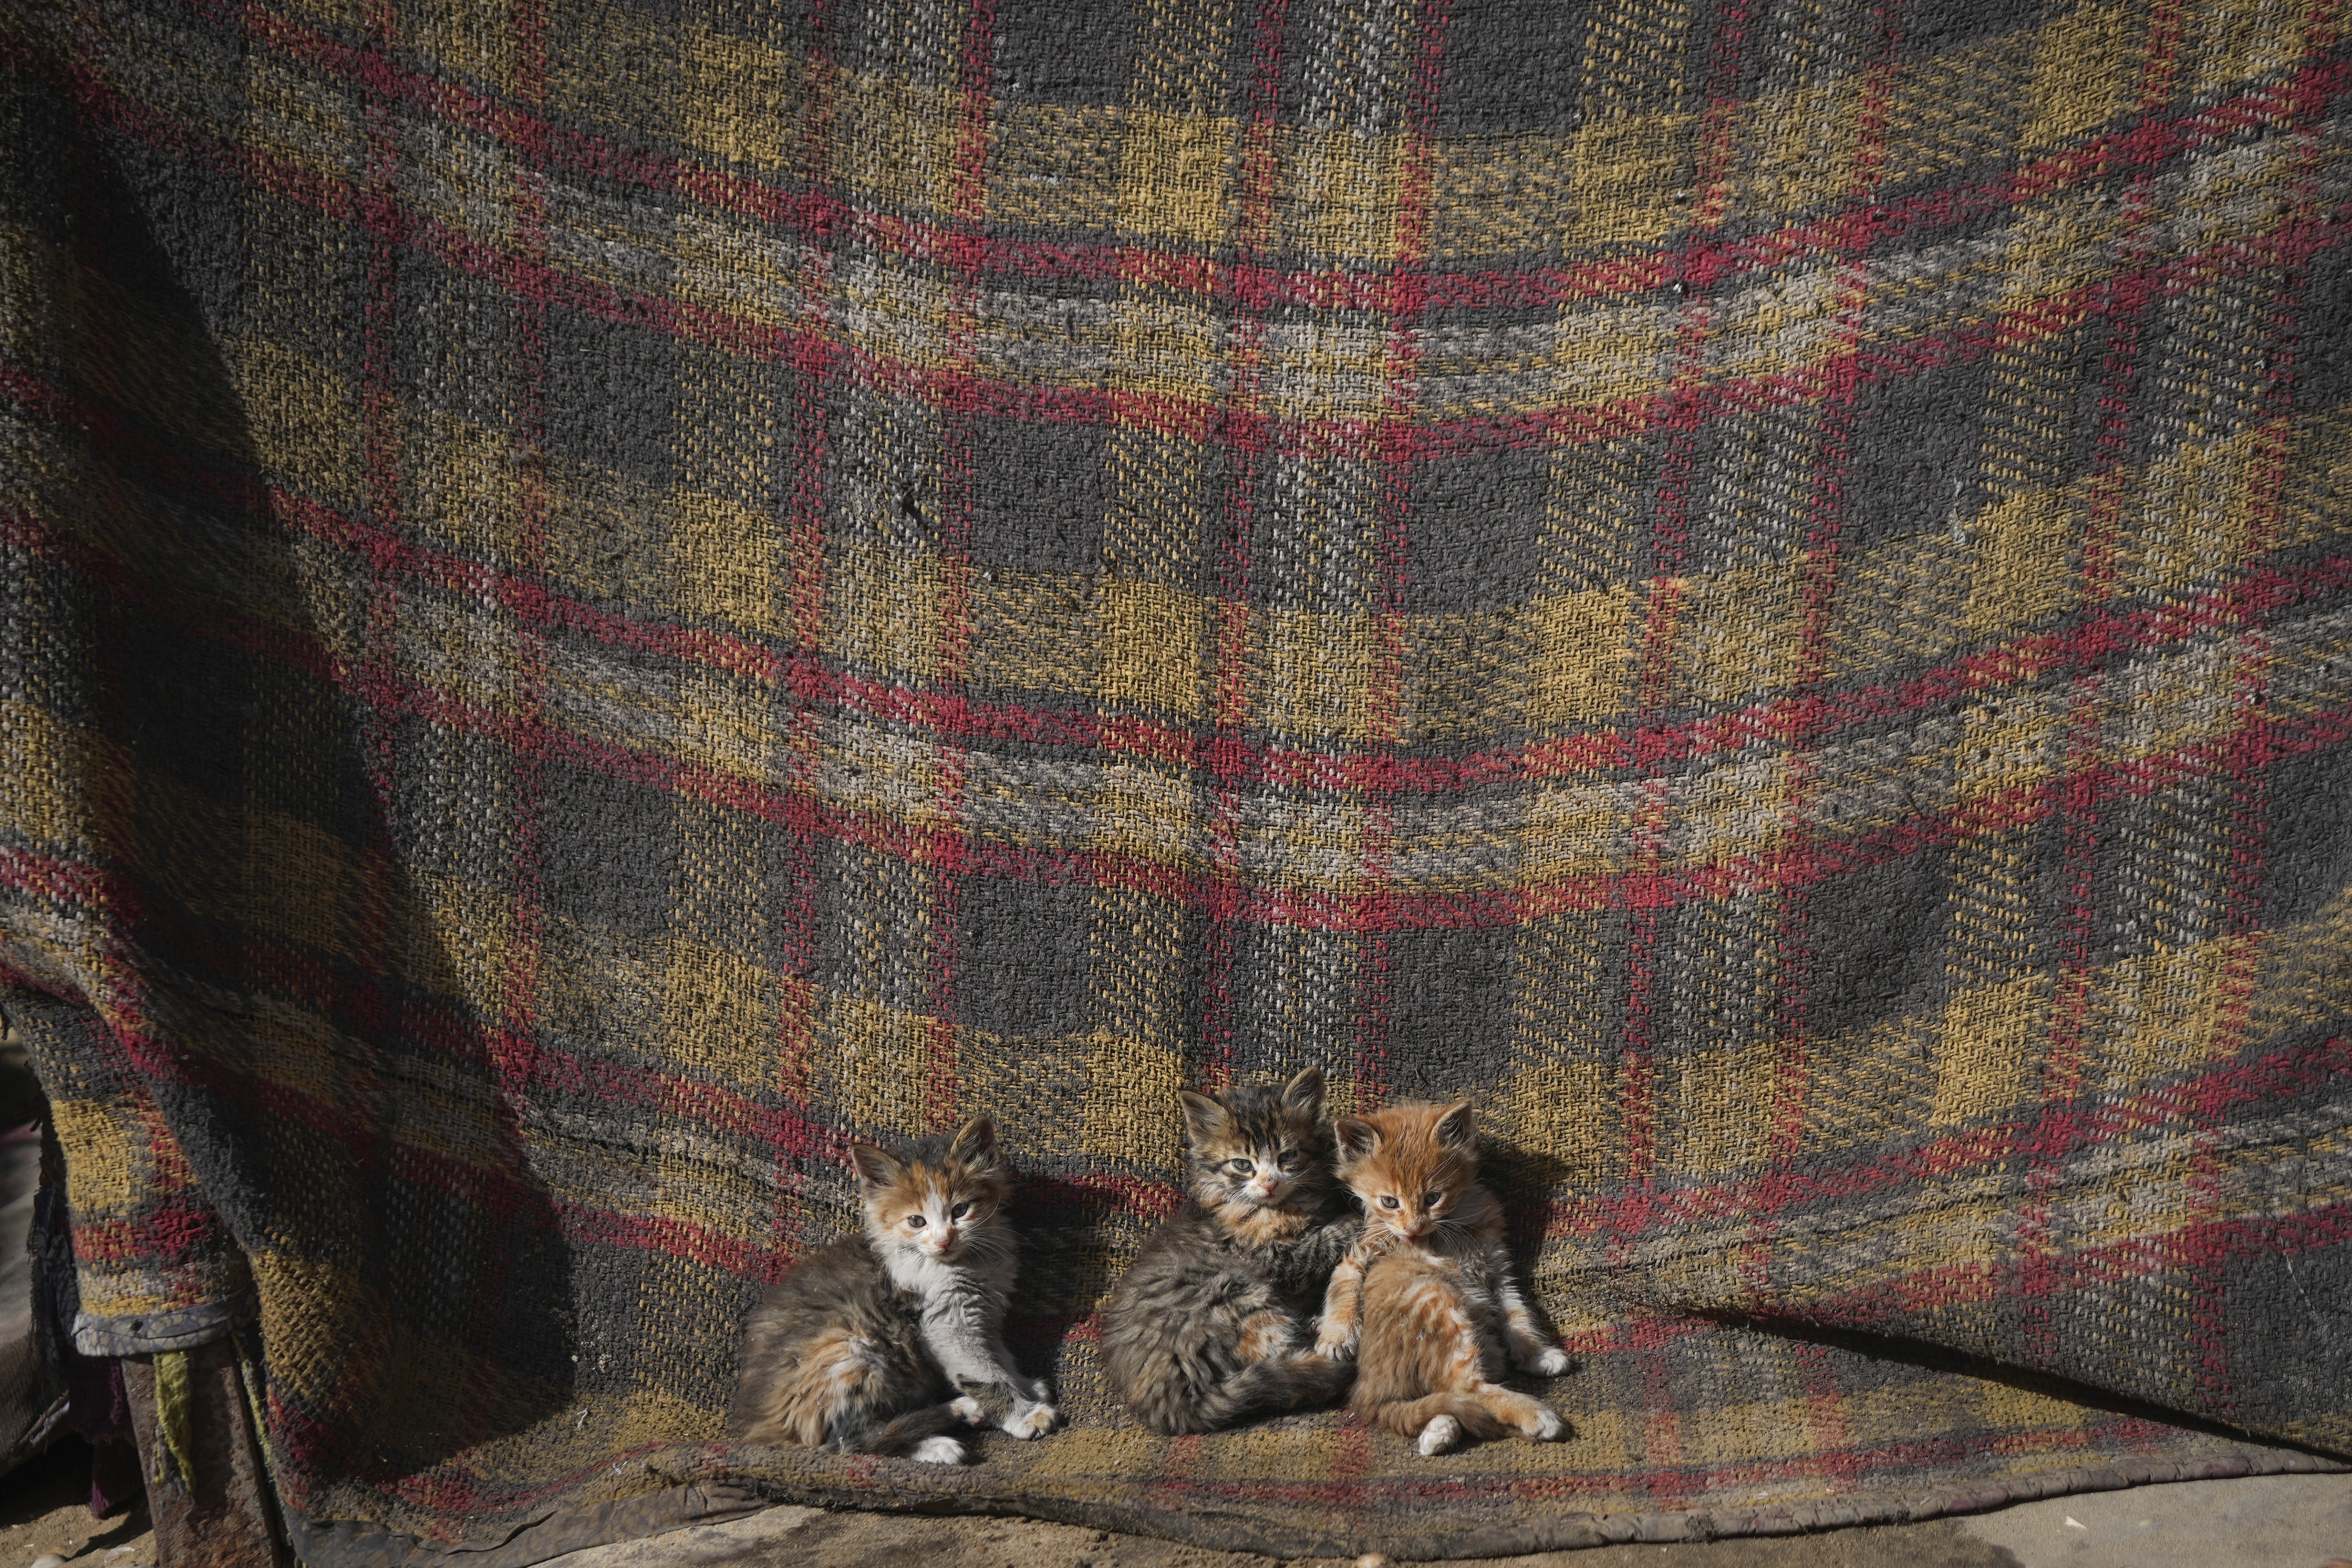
<point>2276,1522</point>
<point>2280,1522</point>
<point>45,1512</point>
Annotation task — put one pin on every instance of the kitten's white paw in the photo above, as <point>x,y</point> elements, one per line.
<point>1034,1422</point>
<point>1549,1425</point>
<point>967,1410</point>
<point>1548,1362</point>
<point>1440,1436</point>
<point>940,1451</point>
<point>1336,1349</point>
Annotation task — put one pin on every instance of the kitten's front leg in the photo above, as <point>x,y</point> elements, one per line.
<point>1336,1334</point>
<point>970,1348</point>
<point>1032,1414</point>
<point>1532,1351</point>
<point>1307,1261</point>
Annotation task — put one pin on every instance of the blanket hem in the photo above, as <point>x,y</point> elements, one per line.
<point>349,1544</point>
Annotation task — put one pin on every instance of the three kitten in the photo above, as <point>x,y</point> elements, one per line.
<point>1426,1301</point>
<point>1205,1330</point>
<point>885,1343</point>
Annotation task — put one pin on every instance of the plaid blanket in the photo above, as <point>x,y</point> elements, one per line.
<point>598,598</point>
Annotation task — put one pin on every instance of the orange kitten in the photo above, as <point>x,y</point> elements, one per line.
<point>1428,1291</point>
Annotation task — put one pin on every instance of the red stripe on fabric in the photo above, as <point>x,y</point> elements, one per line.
<point>495,1190</point>
<point>165,1236</point>
<point>1386,451</point>
<point>1818,560</point>
<point>1222,750</point>
<point>1201,419</point>
<point>959,442</point>
<point>1670,523</point>
<point>2053,1134</point>
<point>1736,875</point>
<point>2247,855</point>
<point>1659,888</point>
<point>2313,80</point>
<point>814,371</point>
<point>2192,1250</point>
<point>2261,591</point>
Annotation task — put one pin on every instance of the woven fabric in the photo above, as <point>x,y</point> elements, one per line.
<point>596,599</point>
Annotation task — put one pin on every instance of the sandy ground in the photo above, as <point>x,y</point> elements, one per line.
<point>2273,1521</point>
<point>44,1510</point>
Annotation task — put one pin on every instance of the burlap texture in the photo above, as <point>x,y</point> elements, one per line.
<point>598,599</point>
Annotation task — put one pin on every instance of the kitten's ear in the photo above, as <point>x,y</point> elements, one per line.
<point>1357,1137</point>
<point>975,1141</point>
<point>1304,1093</point>
<point>875,1167</point>
<point>1203,1116</point>
<point>1458,1127</point>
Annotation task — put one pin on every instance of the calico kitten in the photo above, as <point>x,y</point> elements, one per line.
<point>857,1347</point>
<point>1203,1332</point>
<point>1428,1288</point>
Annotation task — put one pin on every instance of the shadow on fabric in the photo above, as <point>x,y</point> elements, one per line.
<point>361,1133</point>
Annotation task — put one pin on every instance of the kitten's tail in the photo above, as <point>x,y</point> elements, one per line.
<point>1277,1385</point>
<point>899,1434</point>
<point>1406,1417</point>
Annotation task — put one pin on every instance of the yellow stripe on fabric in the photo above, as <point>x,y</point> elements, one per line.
<point>727,537</point>
<point>1056,166</point>
<point>883,601</point>
<point>1509,195</point>
<point>297,877</point>
<point>605,533</point>
<point>623,73</point>
<point>467,960</point>
<point>1178,175</point>
<point>1987,1050</point>
<point>1163,167</point>
<point>1944,110</point>
<point>1135,1062</point>
<point>304,421</point>
<point>1152,640</point>
<point>32,336</point>
<point>721,1007</point>
<point>1719,1098</point>
<point>50,767</point>
<point>2085,71</point>
<point>1039,631</point>
<point>298,114</point>
<point>462,491</point>
<point>107,1178</point>
<point>1339,191</point>
<point>728,722</point>
<point>743,98</point>
<point>467,38</point>
<point>869,1055</point>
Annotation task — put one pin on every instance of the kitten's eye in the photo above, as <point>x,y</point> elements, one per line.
<point>1291,1159</point>
<point>913,1222</point>
<point>960,1211</point>
<point>1240,1167</point>
<point>1388,1200</point>
<point>1432,1200</point>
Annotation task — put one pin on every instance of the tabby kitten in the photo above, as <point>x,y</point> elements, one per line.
<point>882,1344</point>
<point>1428,1289</point>
<point>1203,1332</point>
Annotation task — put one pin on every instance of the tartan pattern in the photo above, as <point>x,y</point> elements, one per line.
<point>600,599</point>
